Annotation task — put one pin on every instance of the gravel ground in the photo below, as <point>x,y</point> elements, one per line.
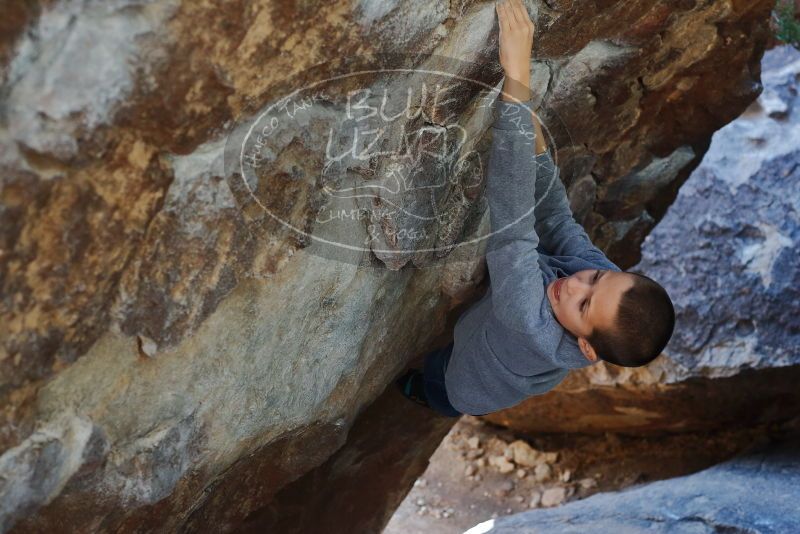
<point>480,471</point>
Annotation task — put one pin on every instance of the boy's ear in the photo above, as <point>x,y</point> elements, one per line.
<point>587,349</point>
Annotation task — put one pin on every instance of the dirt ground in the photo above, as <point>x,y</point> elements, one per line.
<point>480,471</point>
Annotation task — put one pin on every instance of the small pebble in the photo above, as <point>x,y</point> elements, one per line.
<point>501,463</point>
<point>474,453</point>
<point>523,454</point>
<point>542,472</point>
<point>565,475</point>
<point>554,496</point>
<point>521,473</point>
<point>496,444</point>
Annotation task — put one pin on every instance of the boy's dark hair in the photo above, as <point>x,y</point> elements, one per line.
<point>644,323</point>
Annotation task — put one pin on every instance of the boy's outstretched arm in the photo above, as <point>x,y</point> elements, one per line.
<point>555,226</point>
<point>517,283</point>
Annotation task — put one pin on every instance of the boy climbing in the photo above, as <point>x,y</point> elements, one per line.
<point>555,301</point>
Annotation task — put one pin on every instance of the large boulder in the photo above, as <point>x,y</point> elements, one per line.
<point>171,358</point>
<point>728,252</point>
<point>755,492</point>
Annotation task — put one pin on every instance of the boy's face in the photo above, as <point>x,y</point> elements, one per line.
<point>587,300</point>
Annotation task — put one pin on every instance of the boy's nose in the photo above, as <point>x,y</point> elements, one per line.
<point>569,288</point>
<point>574,285</point>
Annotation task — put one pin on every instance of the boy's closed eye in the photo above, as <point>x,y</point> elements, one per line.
<point>585,301</point>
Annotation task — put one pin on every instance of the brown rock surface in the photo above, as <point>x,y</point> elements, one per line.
<point>587,403</point>
<point>163,365</point>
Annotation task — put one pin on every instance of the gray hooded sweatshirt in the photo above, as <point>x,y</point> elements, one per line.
<point>509,346</point>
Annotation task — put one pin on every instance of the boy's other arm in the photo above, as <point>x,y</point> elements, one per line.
<point>517,284</point>
<point>556,227</point>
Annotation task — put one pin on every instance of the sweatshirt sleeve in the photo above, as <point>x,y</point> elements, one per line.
<point>556,227</point>
<point>517,283</point>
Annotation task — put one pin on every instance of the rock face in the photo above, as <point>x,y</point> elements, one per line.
<point>737,284</point>
<point>728,252</point>
<point>170,358</point>
<point>751,493</point>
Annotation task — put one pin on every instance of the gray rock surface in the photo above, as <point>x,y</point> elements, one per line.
<point>728,250</point>
<point>756,493</point>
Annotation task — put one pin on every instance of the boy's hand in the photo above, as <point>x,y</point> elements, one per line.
<point>516,37</point>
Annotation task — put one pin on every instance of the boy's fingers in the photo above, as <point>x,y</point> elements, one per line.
<point>503,15</point>
<point>504,8</point>
<point>512,13</point>
<point>528,18</point>
<point>522,13</point>
<point>519,12</point>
